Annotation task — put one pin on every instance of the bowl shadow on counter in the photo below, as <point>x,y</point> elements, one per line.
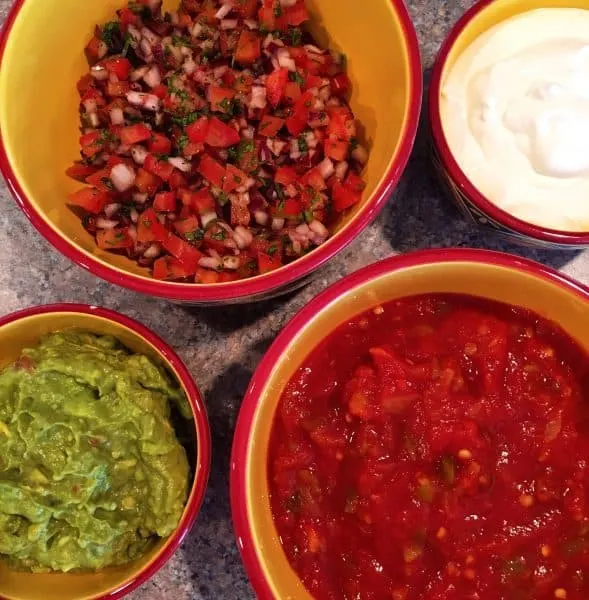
<point>423,216</point>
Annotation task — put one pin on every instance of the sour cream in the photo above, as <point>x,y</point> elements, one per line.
<point>515,113</point>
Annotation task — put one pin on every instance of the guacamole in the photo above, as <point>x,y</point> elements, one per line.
<point>91,471</point>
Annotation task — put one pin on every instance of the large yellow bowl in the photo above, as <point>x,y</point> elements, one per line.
<point>491,275</point>
<point>42,57</point>
<point>23,329</point>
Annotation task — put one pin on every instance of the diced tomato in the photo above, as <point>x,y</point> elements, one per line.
<point>311,81</point>
<point>113,239</point>
<point>246,8</point>
<point>290,207</point>
<point>191,149</point>
<point>165,202</point>
<point>159,144</point>
<point>285,175</point>
<point>297,14</point>
<point>101,180</point>
<point>234,178</point>
<point>220,135</point>
<point>90,199</point>
<point>341,84</point>
<point>206,276</point>
<point>113,160</point>
<point>161,168</point>
<point>243,83</point>
<point>80,171</point>
<point>314,179</point>
<point>96,49</point>
<point>215,237</point>
<point>292,92</point>
<point>187,254</point>
<point>187,225</point>
<point>133,134</point>
<point>127,17</point>
<point>160,91</point>
<point>248,47</point>
<point>91,93</point>
<point>269,255</point>
<point>297,122</point>
<point>146,182</point>
<point>266,18</point>
<point>211,170</point>
<point>208,12</point>
<point>85,82</point>
<point>197,131</point>
<point>249,159</point>
<point>117,89</point>
<point>92,143</point>
<point>121,67</point>
<point>354,182</point>
<point>149,228</point>
<point>219,98</point>
<point>228,42</point>
<point>226,276</point>
<point>240,214</point>
<point>341,123</point>
<point>270,126</point>
<point>177,180</point>
<point>202,202</point>
<point>343,197</point>
<point>169,268</point>
<point>275,85</point>
<point>336,149</point>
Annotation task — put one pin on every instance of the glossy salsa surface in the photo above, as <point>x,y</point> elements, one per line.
<point>436,447</point>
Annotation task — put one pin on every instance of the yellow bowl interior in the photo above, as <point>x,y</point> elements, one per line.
<point>44,58</point>
<point>494,13</point>
<point>84,586</point>
<point>488,281</point>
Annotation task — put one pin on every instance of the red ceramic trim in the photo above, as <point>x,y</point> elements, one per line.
<point>263,285</point>
<point>454,169</point>
<point>278,350</point>
<point>203,459</point>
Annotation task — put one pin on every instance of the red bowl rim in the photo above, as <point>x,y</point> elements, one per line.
<point>201,475</point>
<point>260,285</point>
<point>524,228</point>
<point>242,436</point>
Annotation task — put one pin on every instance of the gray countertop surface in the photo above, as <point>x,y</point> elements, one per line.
<point>222,346</point>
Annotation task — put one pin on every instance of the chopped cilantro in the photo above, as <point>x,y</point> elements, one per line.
<point>146,223</point>
<point>232,152</point>
<point>107,182</point>
<point>279,192</point>
<point>309,216</point>
<point>272,250</point>
<point>278,10</point>
<point>139,9</point>
<point>264,30</point>
<point>194,236</point>
<point>295,36</point>
<point>182,141</point>
<point>303,145</point>
<point>186,119</point>
<point>127,44</point>
<point>179,40</point>
<point>354,144</point>
<point>230,106</point>
<point>111,33</point>
<point>296,77</point>
<point>219,235</point>
<point>246,146</point>
<point>162,156</point>
<point>222,198</point>
<point>107,136</point>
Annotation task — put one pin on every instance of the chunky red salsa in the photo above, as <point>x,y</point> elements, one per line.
<point>217,143</point>
<point>437,448</point>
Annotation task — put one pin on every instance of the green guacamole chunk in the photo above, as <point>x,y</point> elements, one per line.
<point>91,471</point>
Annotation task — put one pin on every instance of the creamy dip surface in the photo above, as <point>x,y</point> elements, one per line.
<point>515,113</point>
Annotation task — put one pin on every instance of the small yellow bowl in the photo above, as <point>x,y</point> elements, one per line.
<point>478,209</point>
<point>23,329</point>
<point>491,275</point>
<point>42,58</point>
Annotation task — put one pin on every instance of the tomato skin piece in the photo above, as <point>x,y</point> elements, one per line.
<point>181,250</point>
<point>234,178</point>
<point>269,126</point>
<point>341,123</point>
<point>165,202</point>
<point>212,170</point>
<point>95,50</point>
<point>220,135</point>
<point>354,182</point>
<point>186,225</point>
<point>146,182</point>
<point>269,255</point>
<point>197,131</point>
<point>248,47</point>
<point>336,149</point>
<point>121,67</point>
<point>159,144</point>
<point>134,134</point>
<point>113,239</point>
<point>149,228</point>
<point>90,199</point>
<point>80,171</point>
<point>343,197</point>
<point>275,85</point>
<point>161,168</point>
<point>285,175</point>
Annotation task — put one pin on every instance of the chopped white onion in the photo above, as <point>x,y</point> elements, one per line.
<point>341,169</point>
<point>102,223</point>
<point>231,262</point>
<point>150,36</point>
<point>122,177</point>
<point>209,262</point>
<point>326,168</point>
<point>284,59</point>
<point>189,67</point>
<point>94,120</point>
<point>197,29</point>
<point>140,198</point>
<point>139,154</point>
<point>153,251</point>
<point>277,223</point>
<point>147,101</point>
<point>224,11</point>
<point>117,117</point>
<point>313,49</point>
<point>153,77</point>
<point>138,74</point>
<point>111,209</point>
<point>181,164</point>
<point>303,229</point>
<point>258,97</point>
<point>99,73</point>
<point>317,227</point>
<point>250,24</point>
<point>261,217</point>
<point>90,106</point>
<point>207,218</point>
<point>229,23</point>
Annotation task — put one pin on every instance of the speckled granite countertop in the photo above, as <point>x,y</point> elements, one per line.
<point>223,346</point>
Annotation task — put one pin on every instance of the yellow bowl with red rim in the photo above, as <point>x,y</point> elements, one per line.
<point>23,329</point>
<point>491,275</point>
<point>475,206</point>
<point>42,57</point>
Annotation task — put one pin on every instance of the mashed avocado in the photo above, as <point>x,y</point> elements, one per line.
<point>91,471</point>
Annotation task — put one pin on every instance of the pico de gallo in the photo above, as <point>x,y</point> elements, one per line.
<point>217,143</point>
<point>437,448</point>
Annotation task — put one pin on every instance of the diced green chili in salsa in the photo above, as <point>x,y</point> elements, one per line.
<point>221,117</point>
<point>437,448</point>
